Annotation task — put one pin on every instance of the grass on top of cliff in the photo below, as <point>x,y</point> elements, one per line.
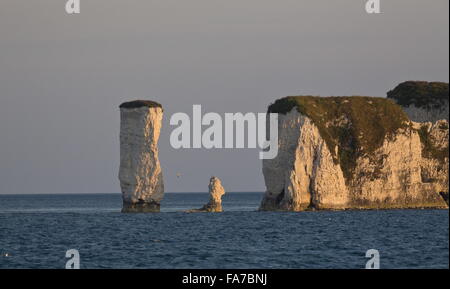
<point>422,94</point>
<point>357,125</point>
<point>140,103</point>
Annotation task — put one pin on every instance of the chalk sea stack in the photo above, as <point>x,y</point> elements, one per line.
<point>423,101</point>
<point>354,153</point>
<point>140,172</point>
<point>216,191</point>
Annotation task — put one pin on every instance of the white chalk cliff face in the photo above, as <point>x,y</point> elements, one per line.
<point>216,191</point>
<point>401,173</point>
<point>303,174</point>
<point>140,172</point>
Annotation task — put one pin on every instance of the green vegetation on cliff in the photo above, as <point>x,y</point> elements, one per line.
<point>357,125</point>
<point>421,94</point>
<point>429,149</point>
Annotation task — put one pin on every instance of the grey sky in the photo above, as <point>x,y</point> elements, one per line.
<point>62,76</point>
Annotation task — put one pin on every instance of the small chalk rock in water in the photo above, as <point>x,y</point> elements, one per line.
<point>216,191</point>
<point>140,173</point>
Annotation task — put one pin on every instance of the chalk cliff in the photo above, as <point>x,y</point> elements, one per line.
<point>140,172</point>
<point>354,153</point>
<point>216,191</point>
<point>422,101</point>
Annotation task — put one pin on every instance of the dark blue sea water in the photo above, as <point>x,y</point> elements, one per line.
<point>37,230</point>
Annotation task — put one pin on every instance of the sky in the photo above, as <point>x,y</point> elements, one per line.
<point>62,77</point>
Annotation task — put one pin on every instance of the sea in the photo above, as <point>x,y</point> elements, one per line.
<point>36,231</point>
